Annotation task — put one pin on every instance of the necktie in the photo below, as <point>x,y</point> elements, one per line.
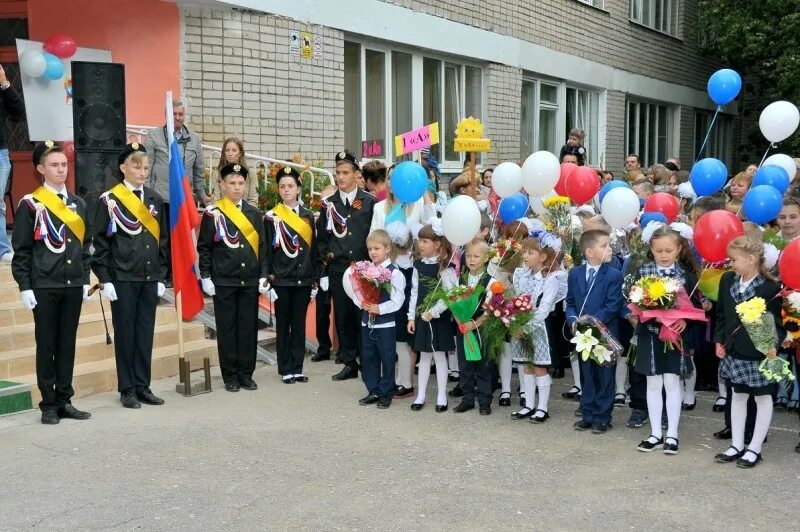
<point>138,194</point>
<point>62,197</point>
<point>590,277</point>
<point>347,203</point>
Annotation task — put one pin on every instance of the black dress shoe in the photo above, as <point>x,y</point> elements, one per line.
<point>416,407</point>
<point>384,402</point>
<point>525,412</point>
<point>670,445</point>
<point>719,407</point>
<point>463,407</point>
<point>288,379</point>
<point>573,393</point>
<point>70,412</point>
<point>249,384</point>
<point>505,399</point>
<point>232,386</point>
<point>724,434</point>
<point>348,372</point>
<point>320,357</point>
<point>402,392</point>
<point>50,417</point>
<point>147,397</point>
<point>441,408</point>
<point>582,425</point>
<point>539,416</point>
<point>456,392</point>
<point>129,400</point>
<point>600,428</point>
<point>487,410</point>
<point>745,463</point>
<point>454,376</point>
<point>689,407</point>
<point>300,378</point>
<point>723,458</point>
<point>649,444</point>
<point>370,399</point>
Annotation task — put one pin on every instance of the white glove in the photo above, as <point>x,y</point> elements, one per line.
<point>324,284</point>
<point>273,295</point>
<point>28,299</point>
<point>160,289</point>
<point>313,294</point>
<point>86,289</point>
<point>208,287</point>
<point>263,286</point>
<point>109,292</point>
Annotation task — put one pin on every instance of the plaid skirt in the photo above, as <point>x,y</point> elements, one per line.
<point>741,371</point>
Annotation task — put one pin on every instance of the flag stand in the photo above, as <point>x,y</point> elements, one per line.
<point>185,387</point>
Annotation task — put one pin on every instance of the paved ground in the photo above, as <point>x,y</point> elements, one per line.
<point>306,456</point>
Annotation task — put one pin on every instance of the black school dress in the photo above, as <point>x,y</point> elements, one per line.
<point>437,334</point>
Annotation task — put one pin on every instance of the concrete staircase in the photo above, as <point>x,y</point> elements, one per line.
<point>95,367</point>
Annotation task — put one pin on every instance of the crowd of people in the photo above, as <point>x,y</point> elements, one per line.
<point>292,256</point>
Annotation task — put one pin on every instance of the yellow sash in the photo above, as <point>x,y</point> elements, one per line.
<point>239,220</point>
<point>294,221</point>
<point>136,207</point>
<point>64,213</point>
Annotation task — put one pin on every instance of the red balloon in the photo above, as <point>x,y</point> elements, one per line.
<point>566,170</point>
<point>666,204</point>
<point>714,231</point>
<point>68,147</point>
<point>582,185</point>
<point>61,45</point>
<point>787,266</point>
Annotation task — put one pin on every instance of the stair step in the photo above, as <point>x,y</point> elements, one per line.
<point>101,376</point>
<point>5,272</point>
<point>16,314</point>
<point>14,397</point>
<point>94,348</point>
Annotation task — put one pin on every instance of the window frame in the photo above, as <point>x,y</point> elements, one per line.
<point>722,134</point>
<point>646,155</point>
<point>668,25</point>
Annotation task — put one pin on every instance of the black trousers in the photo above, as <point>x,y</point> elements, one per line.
<point>290,322</point>
<point>323,310</point>
<point>348,321</point>
<point>471,374</point>
<point>55,319</point>
<point>169,242</point>
<point>236,313</point>
<point>134,318</point>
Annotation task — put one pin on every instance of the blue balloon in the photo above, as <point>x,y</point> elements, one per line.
<point>54,69</point>
<point>408,181</point>
<point>774,176</point>
<point>724,86</point>
<point>611,185</point>
<point>513,207</point>
<point>647,217</point>
<point>708,176</point>
<point>762,204</point>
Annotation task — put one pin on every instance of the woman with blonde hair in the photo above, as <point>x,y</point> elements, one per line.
<point>233,153</point>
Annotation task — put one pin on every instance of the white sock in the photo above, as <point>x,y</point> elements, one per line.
<point>655,403</point>
<point>423,375</point>
<point>689,383</point>
<point>528,384</point>
<point>505,369</point>
<point>722,389</point>
<point>621,375</point>
<point>763,419</point>
<point>452,361</point>
<point>672,383</point>
<point>576,372</point>
<point>404,364</point>
<point>441,377</point>
<point>738,419</point>
<point>544,383</point>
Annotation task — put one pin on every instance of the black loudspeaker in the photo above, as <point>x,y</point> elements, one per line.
<point>95,172</point>
<point>98,106</point>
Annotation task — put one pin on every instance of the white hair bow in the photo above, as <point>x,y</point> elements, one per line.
<point>436,225</point>
<point>686,191</point>
<point>771,255</point>
<point>399,233</point>
<point>681,228</point>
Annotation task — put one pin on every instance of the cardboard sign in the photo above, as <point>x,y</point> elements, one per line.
<point>469,136</point>
<point>416,139</point>
<point>372,149</point>
<point>472,145</point>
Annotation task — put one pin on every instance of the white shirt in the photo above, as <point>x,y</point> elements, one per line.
<point>348,196</point>
<point>396,297</point>
<point>416,213</point>
<point>449,280</point>
<point>55,191</point>
<point>296,208</point>
<point>590,268</point>
<point>744,284</point>
<point>664,269</point>
<point>404,260</point>
<point>134,189</point>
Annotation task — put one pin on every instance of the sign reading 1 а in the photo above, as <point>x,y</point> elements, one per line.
<point>416,139</point>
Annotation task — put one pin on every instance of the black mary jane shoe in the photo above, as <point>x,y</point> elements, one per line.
<point>747,464</point>
<point>454,376</point>
<point>402,392</point>
<point>416,407</point>
<point>670,448</point>
<point>723,458</point>
<point>719,407</point>
<point>288,379</point>
<point>573,393</point>
<point>688,407</point>
<point>300,378</point>
<point>648,445</point>
<point>441,408</point>
<point>535,418</point>
<point>522,414</point>
<point>724,434</point>
<point>505,399</point>
<point>619,399</point>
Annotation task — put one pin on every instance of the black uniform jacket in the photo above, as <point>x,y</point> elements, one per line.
<point>283,270</point>
<point>352,247</point>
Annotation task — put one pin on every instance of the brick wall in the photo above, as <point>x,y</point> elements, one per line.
<point>503,86</point>
<point>615,132</point>
<point>239,80</point>
<point>685,151</point>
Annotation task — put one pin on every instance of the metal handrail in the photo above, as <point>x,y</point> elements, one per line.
<point>141,132</point>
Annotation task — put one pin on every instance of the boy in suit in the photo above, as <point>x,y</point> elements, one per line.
<point>595,289</point>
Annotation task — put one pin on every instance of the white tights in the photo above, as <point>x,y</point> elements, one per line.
<point>655,403</point>
<point>576,372</point>
<point>621,376</point>
<point>504,367</point>
<point>739,417</point>
<point>689,397</point>
<point>425,373</point>
<point>405,364</point>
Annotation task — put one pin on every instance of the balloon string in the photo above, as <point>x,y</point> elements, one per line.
<point>708,134</point>
<point>764,158</point>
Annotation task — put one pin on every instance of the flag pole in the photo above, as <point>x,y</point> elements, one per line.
<point>179,315</point>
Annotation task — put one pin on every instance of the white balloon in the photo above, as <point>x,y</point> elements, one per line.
<point>784,161</point>
<point>620,207</point>
<point>507,179</point>
<point>540,173</point>
<point>32,63</point>
<point>536,202</point>
<point>778,121</point>
<point>461,220</point>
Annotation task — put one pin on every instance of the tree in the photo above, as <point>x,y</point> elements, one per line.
<point>761,40</point>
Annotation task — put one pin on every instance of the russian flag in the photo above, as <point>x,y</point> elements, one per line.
<point>183,219</point>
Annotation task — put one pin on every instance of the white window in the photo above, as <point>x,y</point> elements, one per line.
<point>583,110</point>
<point>649,131</point>
<point>660,15</point>
<point>719,140</point>
<point>596,3</point>
<point>389,92</point>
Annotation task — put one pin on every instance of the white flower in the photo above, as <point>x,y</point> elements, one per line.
<point>601,354</point>
<point>671,285</point>
<point>636,295</point>
<point>584,342</point>
<point>794,300</point>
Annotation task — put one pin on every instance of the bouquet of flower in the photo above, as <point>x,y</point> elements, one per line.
<point>758,323</point>
<point>593,341</point>
<point>559,218</point>
<point>367,280</point>
<point>790,315</point>
<point>665,301</point>
<point>462,301</point>
<point>507,314</point>
<point>638,250</point>
<point>501,256</point>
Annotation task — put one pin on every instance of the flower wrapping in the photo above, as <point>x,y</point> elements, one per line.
<point>790,315</point>
<point>758,323</point>
<point>560,221</point>
<point>463,301</point>
<point>681,309</point>
<point>503,255</point>
<point>508,314</point>
<point>776,370</point>
<point>367,280</point>
<point>593,341</point>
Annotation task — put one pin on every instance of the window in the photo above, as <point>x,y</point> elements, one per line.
<point>399,91</point>
<point>600,4</point>
<point>719,141</point>
<point>649,131</point>
<point>660,15</point>
<point>583,109</point>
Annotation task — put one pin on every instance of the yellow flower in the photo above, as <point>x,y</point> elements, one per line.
<point>751,310</point>
<point>657,290</point>
<point>549,203</point>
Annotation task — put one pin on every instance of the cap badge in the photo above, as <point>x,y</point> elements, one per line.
<point>135,145</point>
<point>49,143</point>
<point>236,168</point>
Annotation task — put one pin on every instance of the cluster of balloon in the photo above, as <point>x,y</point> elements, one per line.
<point>47,64</point>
